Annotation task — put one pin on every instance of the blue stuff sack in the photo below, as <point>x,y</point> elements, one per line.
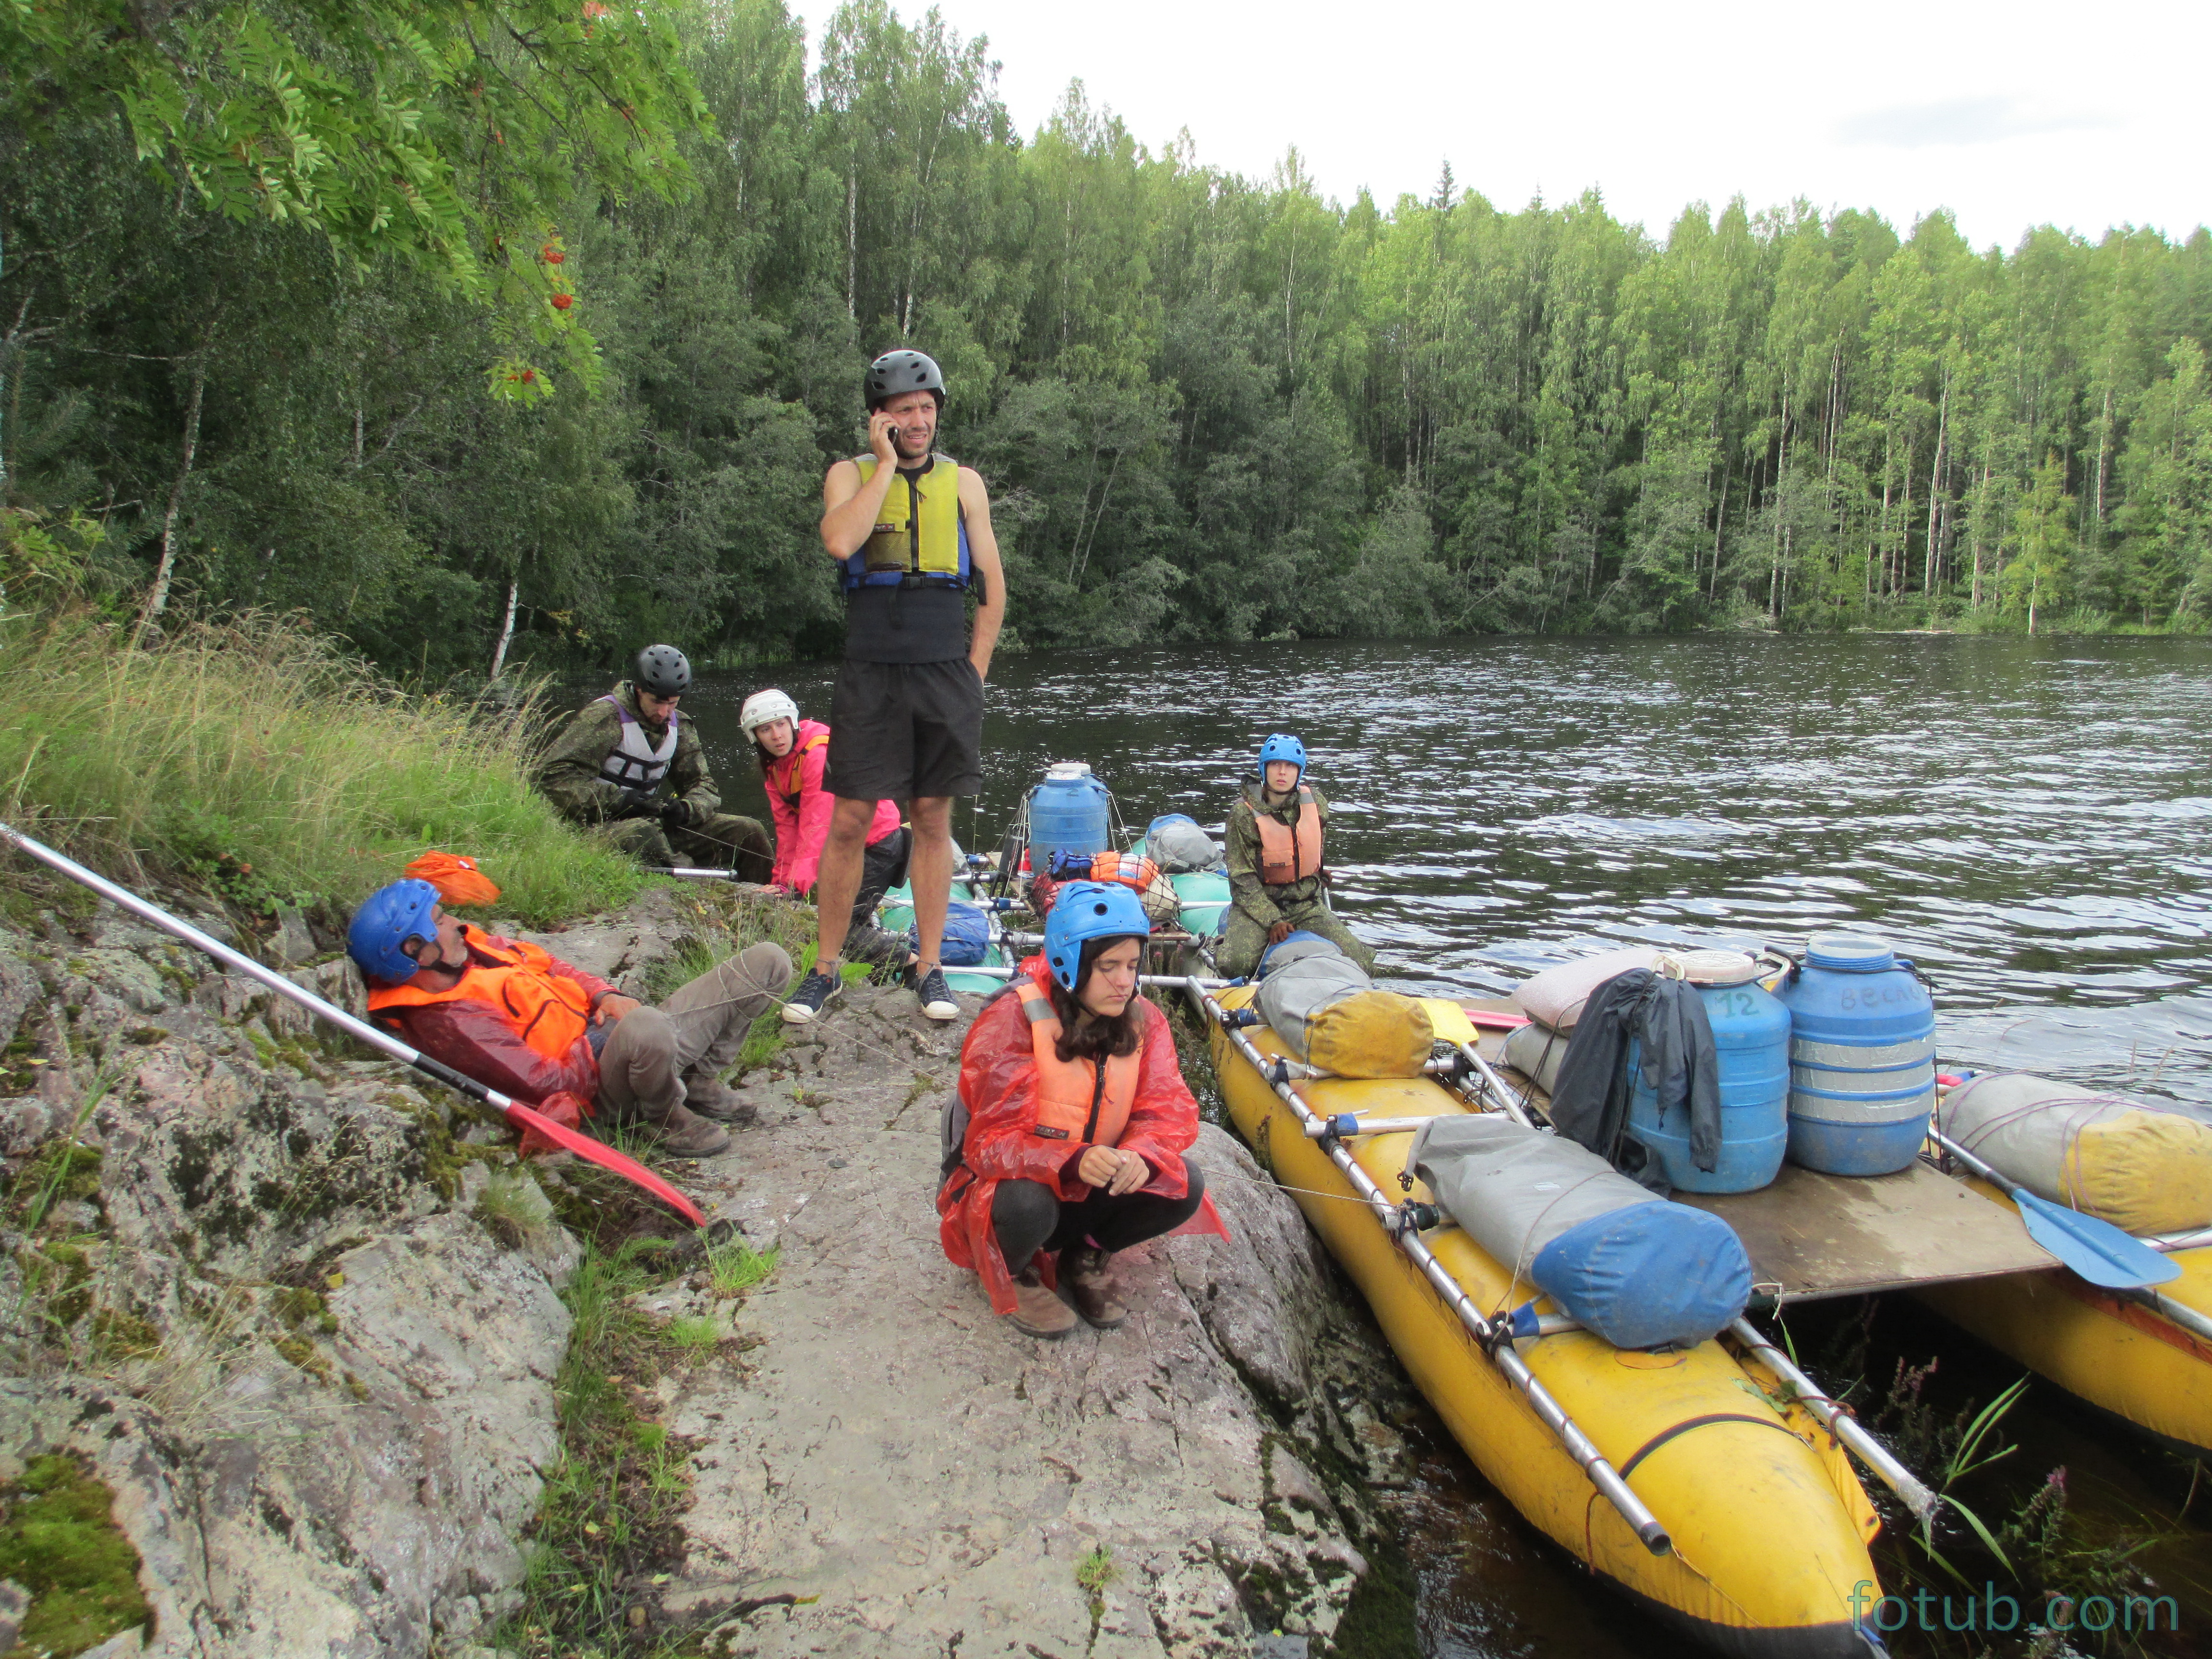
<point>1648,1276</point>
<point>967,935</point>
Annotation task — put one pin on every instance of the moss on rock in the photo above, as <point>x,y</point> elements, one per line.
<point>59,1539</point>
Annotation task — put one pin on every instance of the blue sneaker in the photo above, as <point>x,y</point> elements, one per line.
<point>814,990</point>
<point>936,996</point>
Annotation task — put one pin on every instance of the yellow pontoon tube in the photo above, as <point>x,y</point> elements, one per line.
<point>2147,1361</point>
<point>1755,1526</point>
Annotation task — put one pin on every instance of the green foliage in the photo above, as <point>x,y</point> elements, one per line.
<point>607,1519</point>
<point>443,136</point>
<point>1094,1571</point>
<point>59,1539</point>
<point>1208,406</point>
<point>735,1267</point>
<point>327,779</point>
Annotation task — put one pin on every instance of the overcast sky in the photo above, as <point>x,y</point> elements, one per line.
<point>2010,114</point>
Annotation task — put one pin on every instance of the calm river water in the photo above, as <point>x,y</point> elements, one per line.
<point>2029,820</point>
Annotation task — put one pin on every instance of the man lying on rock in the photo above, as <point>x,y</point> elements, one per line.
<point>520,1020</point>
<point>1077,1119</point>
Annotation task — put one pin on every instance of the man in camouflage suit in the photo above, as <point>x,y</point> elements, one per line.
<point>615,765</point>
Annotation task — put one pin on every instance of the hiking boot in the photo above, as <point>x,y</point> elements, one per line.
<point>1086,1274</point>
<point>687,1136</point>
<point>1037,1312</point>
<point>936,995</point>
<point>707,1096</point>
<point>816,990</point>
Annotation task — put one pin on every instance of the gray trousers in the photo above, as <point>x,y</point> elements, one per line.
<point>700,1029</point>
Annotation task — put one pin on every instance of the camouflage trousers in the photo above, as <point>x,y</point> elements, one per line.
<point>724,841</point>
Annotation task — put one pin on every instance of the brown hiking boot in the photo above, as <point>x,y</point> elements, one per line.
<point>688,1136</point>
<point>705,1096</point>
<point>1037,1312</point>
<point>1086,1272</point>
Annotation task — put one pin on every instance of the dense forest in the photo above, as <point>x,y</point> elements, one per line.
<point>504,329</point>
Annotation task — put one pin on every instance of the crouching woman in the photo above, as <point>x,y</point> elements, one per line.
<point>1078,1119</point>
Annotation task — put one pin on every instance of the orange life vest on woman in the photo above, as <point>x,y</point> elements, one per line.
<point>1084,1102</point>
<point>548,1013</point>
<point>1285,855</point>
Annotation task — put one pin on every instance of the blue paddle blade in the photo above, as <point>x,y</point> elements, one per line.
<point>2097,1250</point>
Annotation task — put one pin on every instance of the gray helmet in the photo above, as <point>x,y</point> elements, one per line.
<point>663,670</point>
<point>903,370</point>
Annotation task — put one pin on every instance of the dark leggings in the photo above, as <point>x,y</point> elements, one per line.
<point>1028,1218</point>
<point>882,866</point>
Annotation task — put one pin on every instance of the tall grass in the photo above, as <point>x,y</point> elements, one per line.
<point>259,759</point>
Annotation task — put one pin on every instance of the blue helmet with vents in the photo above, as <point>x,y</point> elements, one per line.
<point>387,918</point>
<point>1282,746</point>
<point>1085,910</point>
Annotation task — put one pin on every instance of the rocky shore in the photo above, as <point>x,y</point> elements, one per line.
<point>303,1318</point>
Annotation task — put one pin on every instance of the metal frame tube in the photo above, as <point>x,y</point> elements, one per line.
<point>1839,1422</point>
<point>1577,1444</point>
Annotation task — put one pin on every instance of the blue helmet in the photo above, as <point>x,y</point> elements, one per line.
<point>1282,746</point>
<point>1086,910</point>
<point>387,918</point>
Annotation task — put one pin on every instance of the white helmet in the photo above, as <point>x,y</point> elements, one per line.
<point>765,708</point>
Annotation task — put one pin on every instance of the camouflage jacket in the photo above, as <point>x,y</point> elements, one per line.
<point>569,774</point>
<point>1241,841</point>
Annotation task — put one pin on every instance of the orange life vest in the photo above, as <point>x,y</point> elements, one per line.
<point>1083,1102</point>
<point>548,1013</point>
<point>785,775</point>
<point>1285,855</point>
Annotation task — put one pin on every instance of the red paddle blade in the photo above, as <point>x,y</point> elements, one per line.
<point>599,1152</point>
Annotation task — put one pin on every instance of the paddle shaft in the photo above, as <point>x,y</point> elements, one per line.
<point>1570,1435</point>
<point>361,1031</point>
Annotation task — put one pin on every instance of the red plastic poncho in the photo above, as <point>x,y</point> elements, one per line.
<point>997,1084</point>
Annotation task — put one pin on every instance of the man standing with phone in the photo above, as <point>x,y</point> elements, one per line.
<point>912,529</point>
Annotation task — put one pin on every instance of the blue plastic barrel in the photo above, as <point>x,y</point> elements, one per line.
<point>1068,813</point>
<point>1751,1041</point>
<point>1861,1057</point>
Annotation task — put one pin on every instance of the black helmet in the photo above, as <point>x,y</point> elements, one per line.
<point>903,370</point>
<point>663,670</point>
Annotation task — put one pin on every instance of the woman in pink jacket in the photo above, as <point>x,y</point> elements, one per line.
<point>792,752</point>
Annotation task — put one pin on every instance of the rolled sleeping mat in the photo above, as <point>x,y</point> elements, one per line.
<point>2144,1168</point>
<point>1555,997</point>
<point>1640,1271</point>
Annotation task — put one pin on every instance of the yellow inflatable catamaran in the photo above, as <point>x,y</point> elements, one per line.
<point>1711,1484</point>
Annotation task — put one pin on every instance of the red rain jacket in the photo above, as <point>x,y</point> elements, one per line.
<point>476,1041</point>
<point>803,830</point>
<point>997,1084</point>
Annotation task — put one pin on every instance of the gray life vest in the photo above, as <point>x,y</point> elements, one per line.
<point>634,763</point>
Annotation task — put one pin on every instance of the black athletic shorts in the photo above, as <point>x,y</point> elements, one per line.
<point>905,730</point>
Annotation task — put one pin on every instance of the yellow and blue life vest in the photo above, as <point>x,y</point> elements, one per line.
<point>920,540</point>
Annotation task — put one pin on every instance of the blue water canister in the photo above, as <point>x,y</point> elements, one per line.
<point>1751,1043</point>
<point>1068,813</point>
<point>1861,1057</point>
